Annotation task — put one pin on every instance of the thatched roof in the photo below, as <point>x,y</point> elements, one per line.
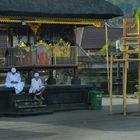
<point>94,38</point>
<point>88,9</point>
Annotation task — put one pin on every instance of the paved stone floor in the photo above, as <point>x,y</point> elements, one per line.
<point>76,125</point>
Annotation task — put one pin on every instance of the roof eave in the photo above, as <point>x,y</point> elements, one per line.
<point>55,15</point>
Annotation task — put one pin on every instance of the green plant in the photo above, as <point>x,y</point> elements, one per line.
<point>137,15</point>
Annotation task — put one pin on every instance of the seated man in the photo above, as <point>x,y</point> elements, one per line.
<point>13,79</point>
<point>37,87</point>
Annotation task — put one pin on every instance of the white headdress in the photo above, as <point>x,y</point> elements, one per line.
<point>36,74</point>
<point>13,70</point>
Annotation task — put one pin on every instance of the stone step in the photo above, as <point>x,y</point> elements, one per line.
<point>30,110</point>
<point>27,103</point>
<point>21,97</point>
<point>31,101</point>
<point>31,106</point>
<point>27,100</point>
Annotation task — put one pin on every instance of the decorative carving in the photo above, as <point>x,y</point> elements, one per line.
<point>34,27</point>
<point>60,49</point>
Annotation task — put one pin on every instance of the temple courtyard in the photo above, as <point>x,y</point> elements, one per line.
<point>76,125</point>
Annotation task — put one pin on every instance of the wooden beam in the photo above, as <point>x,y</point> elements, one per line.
<point>35,20</point>
<point>131,34</point>
<point>133,51</point>
<point>129,60</point>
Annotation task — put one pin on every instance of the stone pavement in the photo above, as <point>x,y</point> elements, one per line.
<point>75,125</point>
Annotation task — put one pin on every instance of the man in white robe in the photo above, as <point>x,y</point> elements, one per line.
<point>13,79</point>
<point>37,87</point>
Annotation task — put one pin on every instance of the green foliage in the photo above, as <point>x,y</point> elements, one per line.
<point>137,14</point>
<point>103,49</point>
<point>128,6</point>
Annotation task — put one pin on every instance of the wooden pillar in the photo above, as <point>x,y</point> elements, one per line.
<point>124,33</point>
<point>107,55</point>
<point>125,63</point>
<point>111,71</point>
<point>139,65</point>
<point>139,86</point>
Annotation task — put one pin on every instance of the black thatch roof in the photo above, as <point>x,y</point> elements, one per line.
<point>99,9</point>
<point>94,38</point>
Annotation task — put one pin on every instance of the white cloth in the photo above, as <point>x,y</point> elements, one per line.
<point>14,77</point>
<point>36,85</point>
